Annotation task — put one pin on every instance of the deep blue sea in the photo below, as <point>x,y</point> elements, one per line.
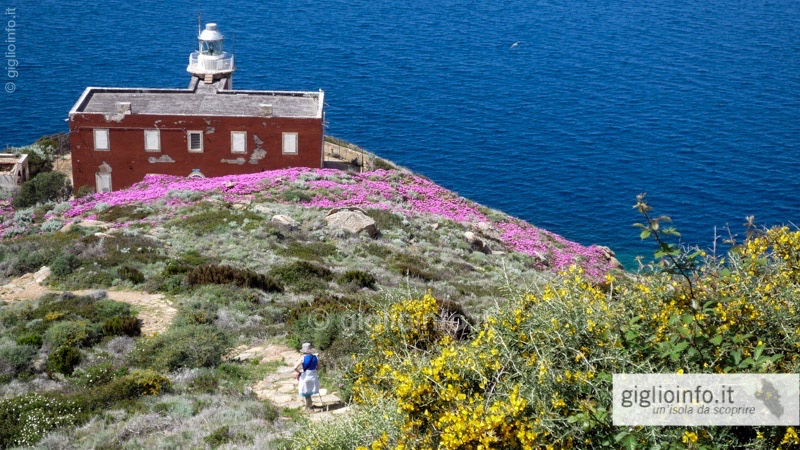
<point>558,112</point>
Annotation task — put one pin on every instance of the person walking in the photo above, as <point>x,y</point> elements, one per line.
<point>307,378</point>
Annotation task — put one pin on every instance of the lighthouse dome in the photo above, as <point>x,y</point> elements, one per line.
<point>211,33</point>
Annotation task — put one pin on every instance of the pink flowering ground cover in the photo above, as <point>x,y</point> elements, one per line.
<point>329,188</point>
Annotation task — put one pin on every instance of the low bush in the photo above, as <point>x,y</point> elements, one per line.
<point>414,267</point>
<point>64,265</point>
<point>215,274</point>
<point>304,276</point>
<point>358,278</point>
<point>45,187</point>
<point>295,195</point>
<point>314,251</point>
<point>32,339</point>
<point>323,321</point>
<point>15,358</point>
<point>70,333</point>
<point>96,375</point>
<point>186,346</point>
<point>25,419</point>
<point>131,274</point>
<point>128,212</point>
<point>128,387</point>
<point>64,359</point>
<point>122,325</point>
<point>206,222</point>
<point>206,382</point>
<point>218,437</point>
<point>385,219</point>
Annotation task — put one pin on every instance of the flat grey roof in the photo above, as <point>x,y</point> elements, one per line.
<point>201,102</point>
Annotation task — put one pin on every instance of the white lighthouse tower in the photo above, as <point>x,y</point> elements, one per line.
<point>211,62</point>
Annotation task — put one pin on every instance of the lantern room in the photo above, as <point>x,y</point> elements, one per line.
<point>211,62</point>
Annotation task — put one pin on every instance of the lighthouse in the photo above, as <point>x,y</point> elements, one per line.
<point>118,136</point>
<point>211,62</point>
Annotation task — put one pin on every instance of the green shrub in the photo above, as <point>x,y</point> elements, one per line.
<point>96,375</point>
<point>303,275</point>
<point>218,437</point>
<point>64,359</point>
<point>45,187</point>
<point>25,419</point>
<point>358,278</point>
<point>128,387</point>
<point>294,195</point>
<point>84,191</point>
<point>206,221</point>
<point>321,321</point>
<point>385,219</point>
<point>186,346</point>
<point>131,274</point>
<point>32,339</point>
<point>206,382</point>
<point>315,251</point>
<point>64,265</point>
<point>69,333</point>
<point>214,274</point>
<point>40,157</point>
<point>15,359</point>
<point>129,212</point>
<point>122,325</point>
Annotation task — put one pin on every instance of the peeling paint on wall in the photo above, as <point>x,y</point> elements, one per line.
<point>116,117</point>
<point>238,161</point>
<point>259,153</point>
<point>210,130</point>
<point>161,159</point>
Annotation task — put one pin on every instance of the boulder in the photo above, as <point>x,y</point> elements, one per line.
<point>284,221</point>
<point>351,220</point>
<point>42,274</point>
<point>476,243</point>
<point>610,257</point>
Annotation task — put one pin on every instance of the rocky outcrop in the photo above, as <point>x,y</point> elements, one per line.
<point>610,257</point>
<point>284,222</point>
<point>476,243</point>
<point>352,220</point>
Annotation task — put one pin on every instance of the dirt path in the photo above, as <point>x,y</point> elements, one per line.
<point>280,387</point>
<point>155,312</point>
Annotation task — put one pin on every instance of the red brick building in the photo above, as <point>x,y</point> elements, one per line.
<point>119,135</point>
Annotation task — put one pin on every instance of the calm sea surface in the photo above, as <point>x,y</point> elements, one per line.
<point>558,112</point>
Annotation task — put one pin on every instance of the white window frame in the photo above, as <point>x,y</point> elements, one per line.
<point>189,141</point>
<point>290,138</point>
<point>243,141</point>
<point>105,138</point>
<point>153,132</point>
<point>101,180</point>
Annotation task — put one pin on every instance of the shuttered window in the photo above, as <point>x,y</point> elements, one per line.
<point>152,140</point>
<point>101,139</point>
<point>195,141</point>
<point>290,143</point>
<point>238,141</point>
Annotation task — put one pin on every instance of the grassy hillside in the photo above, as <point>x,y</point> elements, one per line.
<point>455,326</point>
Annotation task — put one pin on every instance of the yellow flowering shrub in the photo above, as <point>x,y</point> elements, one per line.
<point>536,372</point>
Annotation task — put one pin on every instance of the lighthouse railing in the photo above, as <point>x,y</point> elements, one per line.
<point>210,65</point>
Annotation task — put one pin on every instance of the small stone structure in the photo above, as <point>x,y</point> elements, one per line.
<point>13,170</point>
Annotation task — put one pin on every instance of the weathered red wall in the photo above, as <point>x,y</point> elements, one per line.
<point>129,161</point>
